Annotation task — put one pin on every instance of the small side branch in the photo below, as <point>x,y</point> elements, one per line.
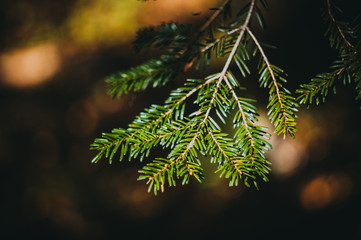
<point>337,25</point>
<point>221,76</point>
<point>238,41</point>
<point>228,158</point>
<point>265,59</point>
<point>205,26</point>
<point>220,38</point>
<point>213,17</point>
<point>245,123</point>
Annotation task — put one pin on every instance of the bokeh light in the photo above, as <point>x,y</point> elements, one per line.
<point>324,190</point>
<point>103,22</point>
<point>28,67</point>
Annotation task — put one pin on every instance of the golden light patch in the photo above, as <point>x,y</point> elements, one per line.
<point>29,66</point>
<point>156,12</point>
<point>105,22</point>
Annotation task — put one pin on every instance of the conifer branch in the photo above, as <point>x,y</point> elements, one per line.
<point>242,114</point>
<point>227,34</point>
<point>319,85</point>
<point>205,26</point>
<point>187,136</point>
<point>228,154</point>
<point>213,17</point>
<point>338,26</point>
<point>143,123</point>
<point>235,47</point>
<point>221,150</point>
<point>179,154</point>
<point>265,59</point>
<point>282,116</point>
<point>346,67</point>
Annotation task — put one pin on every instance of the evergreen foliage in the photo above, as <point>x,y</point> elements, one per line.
<point>240,156</point>
<point>346,39</point>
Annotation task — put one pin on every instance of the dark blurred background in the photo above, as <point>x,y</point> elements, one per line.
<point>54,57</point>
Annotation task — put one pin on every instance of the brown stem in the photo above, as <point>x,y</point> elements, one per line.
<point>338,26</point>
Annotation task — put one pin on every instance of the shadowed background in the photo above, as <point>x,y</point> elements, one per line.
<point>54,57</point>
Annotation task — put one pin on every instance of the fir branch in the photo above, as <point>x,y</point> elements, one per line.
<point>224,149</point>
<point>221,147</point>
<point>235,47</point>
<point>213,17</point>
<point>146,122</point>
<point>222,44</point>
<point>171,36</point>
<point>346,67</point>
<point>181,162</point>
<point>219,39</point>
<point>110,143</point>
<point>239,158</point>
<point>205,26</point>
<point>185,151</point>
<point>319,85</point>
<point>240,108</point>
<point>282,104</point>
<point>341,27</point>
<point>251,140</point>
<point>154,73</point>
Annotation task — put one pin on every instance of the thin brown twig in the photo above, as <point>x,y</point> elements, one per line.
<point>238,41</point>
<point>220,38</point>
<point>241,111</point>
<point>272,75</point>
<point>338,26</point>
<point>268,65</point>
<point>224,154</point>
<point>205,26</point>
<point>231,55</point>
<point>213,17</point>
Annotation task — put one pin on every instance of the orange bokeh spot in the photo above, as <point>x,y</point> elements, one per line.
<point>29,66</point>
<point>325,190</point>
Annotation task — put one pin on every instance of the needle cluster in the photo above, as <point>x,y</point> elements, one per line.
<point>217,98</point>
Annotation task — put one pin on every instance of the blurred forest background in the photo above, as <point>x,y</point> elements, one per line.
<point>54,57</point>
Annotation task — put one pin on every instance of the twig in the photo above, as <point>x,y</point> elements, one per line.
<point>240,36</point>
<point>241,111</point>
<point>338,26</point>
<point>211,19</point>
<point>231,56</point>
<point>268,65</point>
<point>205,26</point>
<point>220,38</point>
<point>224,154</point>
<point>272,75</point>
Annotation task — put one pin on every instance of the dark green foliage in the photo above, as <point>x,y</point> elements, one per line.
<point>170,36</point>
<point>317,88</point>
<point>282,105</point>
<point>346,39</point>
<point>153,73</point>
<point>240,156</point>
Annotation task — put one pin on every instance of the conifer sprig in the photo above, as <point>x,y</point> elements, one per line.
<point>346,39</point>
<point>340,33</point>
<point>153,73</point>
<point>282,105</point>
<point>240,156</point>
